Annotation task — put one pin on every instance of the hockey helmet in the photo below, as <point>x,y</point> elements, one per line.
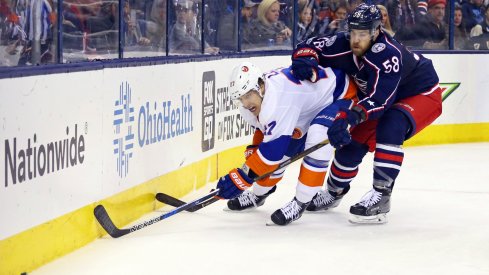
<point>244,78</point>
<point>365,17</point>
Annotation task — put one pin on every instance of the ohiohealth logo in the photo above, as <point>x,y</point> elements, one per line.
<point>124,136</point>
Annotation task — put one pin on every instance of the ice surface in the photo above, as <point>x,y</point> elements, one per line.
<point>438,224</point>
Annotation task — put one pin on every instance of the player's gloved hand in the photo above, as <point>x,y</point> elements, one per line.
<point>305,64</point>
<point>233,184</point>
<point>250,149</point>
<point>338,133</point>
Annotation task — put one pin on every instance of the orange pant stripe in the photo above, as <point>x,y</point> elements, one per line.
<point>256,164</point>
<point>311,178</point>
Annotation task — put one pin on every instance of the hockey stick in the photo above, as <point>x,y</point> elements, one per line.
<point>167,199</point>
<point>108,225</point>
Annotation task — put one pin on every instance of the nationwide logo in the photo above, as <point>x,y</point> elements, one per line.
<point>36,157</point>
<point>448,89</point>
<point>123,128</point>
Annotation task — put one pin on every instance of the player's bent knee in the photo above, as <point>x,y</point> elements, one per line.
<point>351,155</point>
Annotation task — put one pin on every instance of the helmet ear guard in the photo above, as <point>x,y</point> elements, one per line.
<point>244,78</point>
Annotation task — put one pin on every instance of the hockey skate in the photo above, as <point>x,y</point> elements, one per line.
<point>325,200</point>
<point>372,208</point>
<point>248,200</point>
<point>289,213</point>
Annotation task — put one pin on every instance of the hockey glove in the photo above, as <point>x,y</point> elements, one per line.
<point>338,133</point>
<point>233,184</point>
<point>250,149</point>
<point>305,64</point>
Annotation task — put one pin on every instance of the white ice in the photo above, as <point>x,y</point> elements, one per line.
<point>438,224</point>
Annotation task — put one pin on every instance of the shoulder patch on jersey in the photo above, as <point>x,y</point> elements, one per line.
<point>330,40</point>
<point>378,47</point>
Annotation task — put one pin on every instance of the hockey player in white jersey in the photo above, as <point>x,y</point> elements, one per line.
<point>289,116</point>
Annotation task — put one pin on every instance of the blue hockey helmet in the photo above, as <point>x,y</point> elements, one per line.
<point>365,17</point>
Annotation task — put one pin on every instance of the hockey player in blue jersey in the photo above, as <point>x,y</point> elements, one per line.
<point>399,96</point>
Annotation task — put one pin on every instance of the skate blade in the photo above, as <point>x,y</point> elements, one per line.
<point>377,219</point>
<point>319,211</point>
<point>271,223</point>
<point>226,209</point>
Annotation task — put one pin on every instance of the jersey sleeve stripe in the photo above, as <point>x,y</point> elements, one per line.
<point>340,84</point>
<point>273,151</point>
<point>377,74</point>
<point>336,55</point>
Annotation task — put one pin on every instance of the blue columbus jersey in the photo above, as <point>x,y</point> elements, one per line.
<point>386,73</point>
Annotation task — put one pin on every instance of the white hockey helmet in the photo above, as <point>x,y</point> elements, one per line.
<point>244,78</point>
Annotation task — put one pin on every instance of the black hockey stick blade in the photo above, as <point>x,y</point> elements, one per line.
<point>104,220</point>
<point>108,225</point>
<point>167,199</point>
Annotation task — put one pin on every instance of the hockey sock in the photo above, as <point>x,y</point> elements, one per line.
<point>345,166</point>
<point>387,164</point>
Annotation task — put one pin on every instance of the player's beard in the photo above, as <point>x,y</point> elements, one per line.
<point>358,49</point>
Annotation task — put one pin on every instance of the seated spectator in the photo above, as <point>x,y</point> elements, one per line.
<point>267,29</point>
<point>184,36</point>
<point>386,22</point>
<point>352,4</point>
<point>403,13</point>
<point>132,29</point>
<point>480,33</point>
<point>104,27</point>
<point>156,25</point>
<point>429,32</point>
<point>306,26</point>
<point>473,13</point>
<point>460,34</point>
<point>227,32</point>
<point>339,23</point>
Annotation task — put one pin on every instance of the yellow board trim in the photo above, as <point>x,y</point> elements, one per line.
<point>39,245</point>
<point>451,133</point>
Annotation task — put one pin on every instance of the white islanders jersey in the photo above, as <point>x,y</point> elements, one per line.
<point>289,106</point>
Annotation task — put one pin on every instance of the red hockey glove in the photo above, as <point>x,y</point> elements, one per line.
<point>305,64</point>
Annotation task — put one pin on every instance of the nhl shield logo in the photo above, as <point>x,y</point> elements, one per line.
<point>378,47</point>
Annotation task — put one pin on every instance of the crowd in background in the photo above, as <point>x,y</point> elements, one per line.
<point>91,28</point>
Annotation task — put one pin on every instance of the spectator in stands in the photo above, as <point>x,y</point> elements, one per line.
<point>403,14</point>
<point>460,34</point>
<point>39,28</point>
<point>104,27</point>
<point>386,22</point>
<point>156,25</point>
<point>429,32</point>
<point>480,33</point>
<point>307,22</point>
<point>267,28</point>
<point>339,23</point>
<point>324,9</point>
<point>227,32</point>
<point>132,29</point>
<point>473,13</point>
<point>184,36</point>
<point>352,4</point>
